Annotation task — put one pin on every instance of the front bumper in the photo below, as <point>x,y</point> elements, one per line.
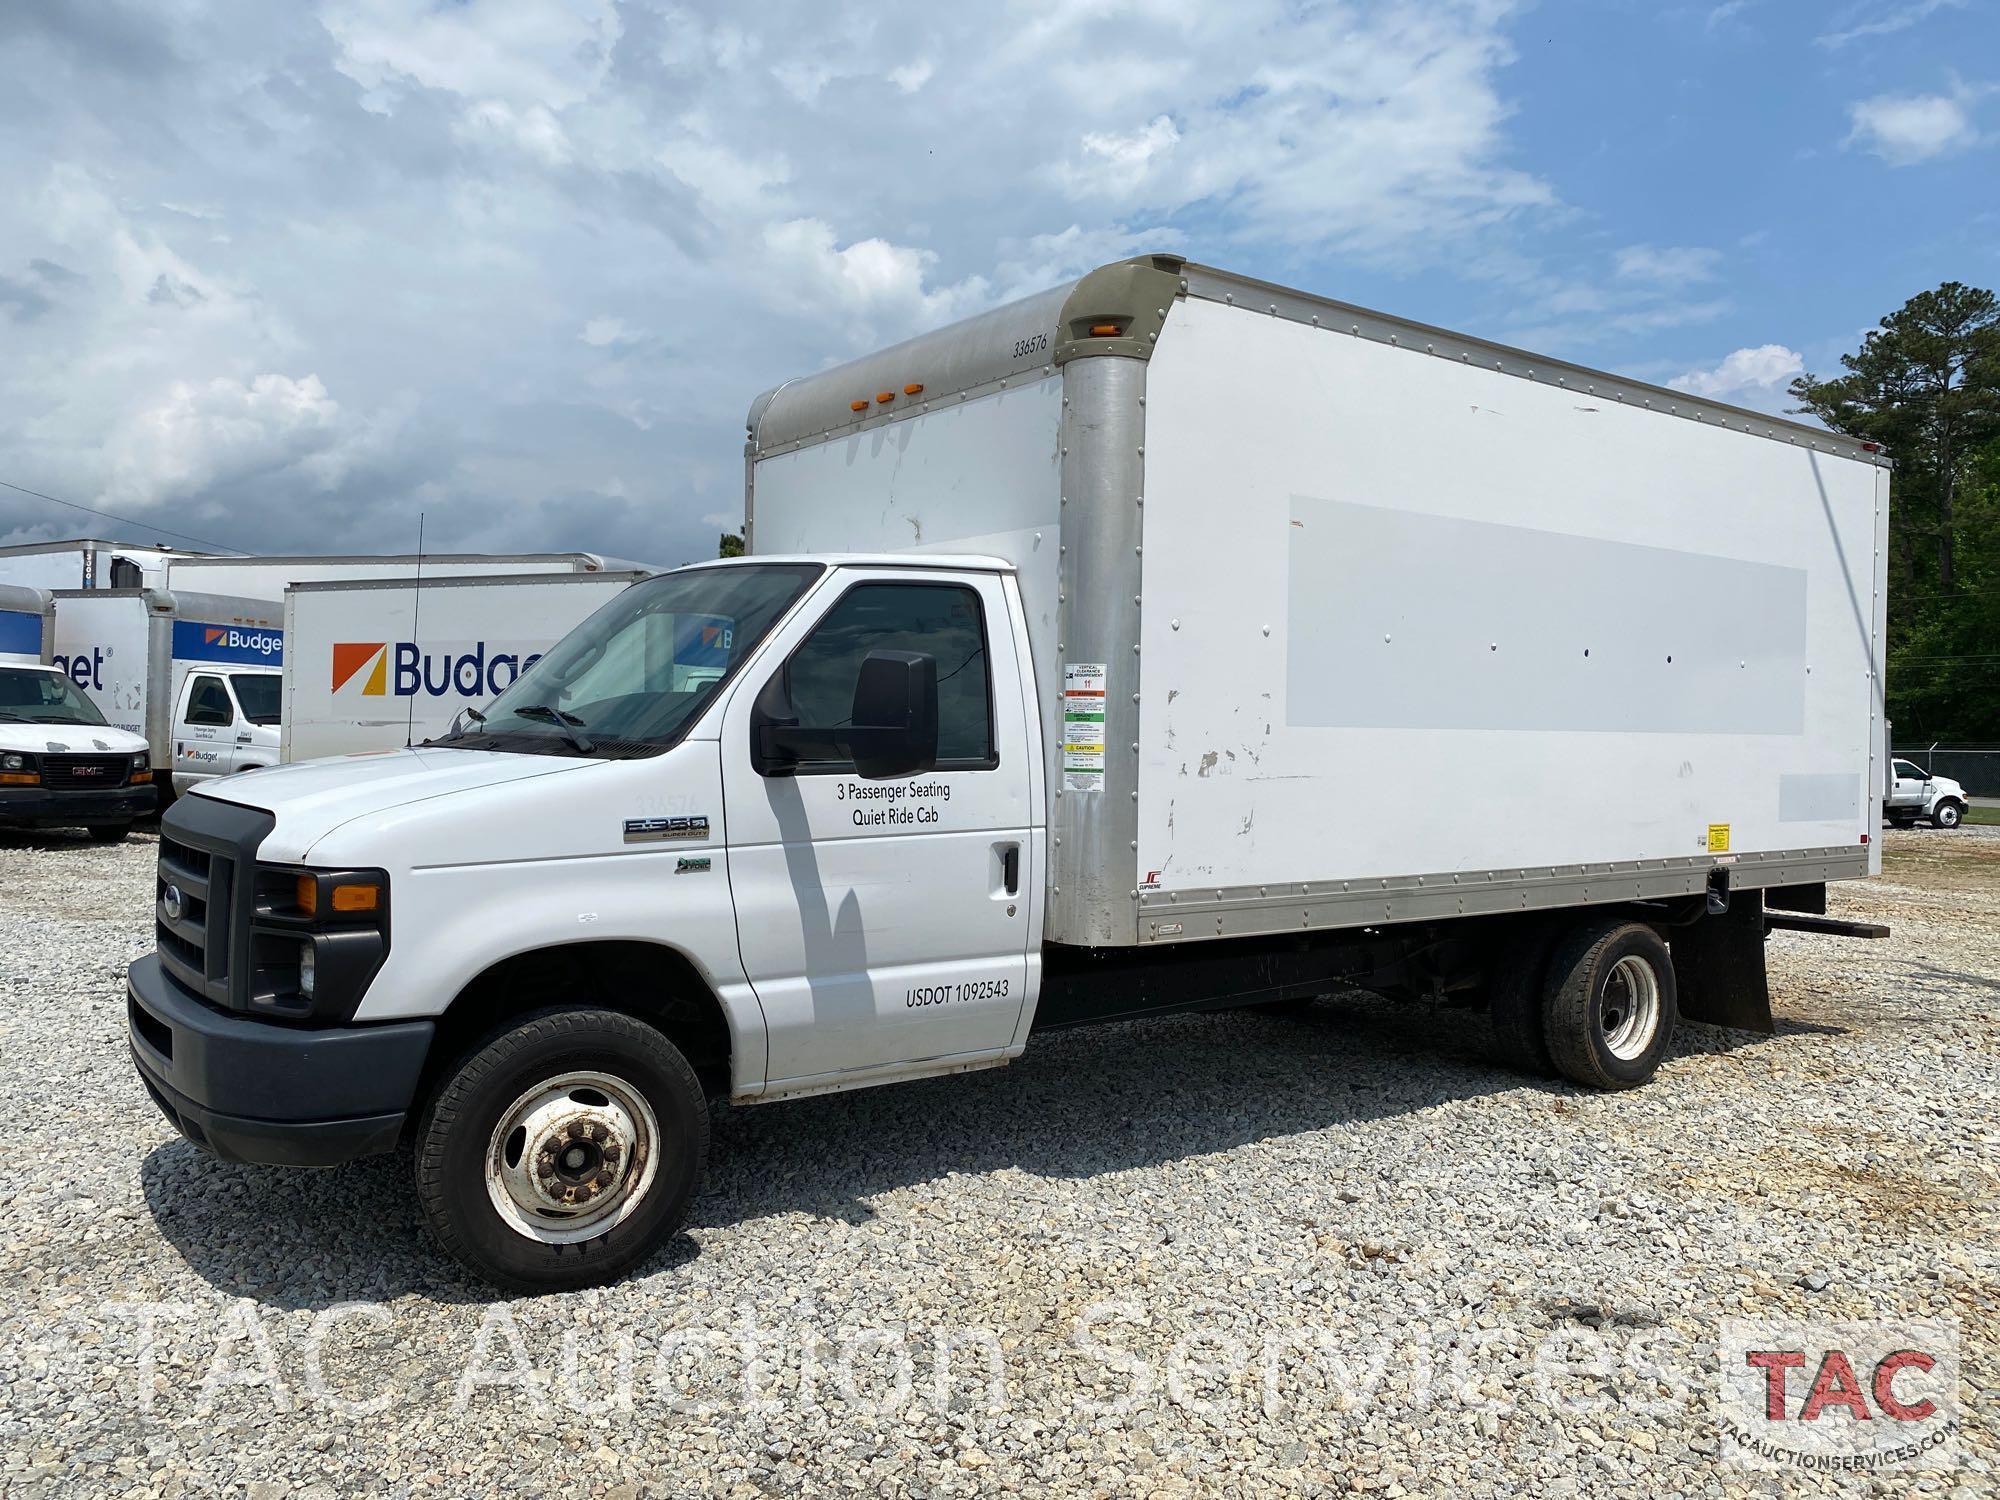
<point>34,807</point>
<point>253,1091</point>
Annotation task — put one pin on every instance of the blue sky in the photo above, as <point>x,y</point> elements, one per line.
<point>283,276</point>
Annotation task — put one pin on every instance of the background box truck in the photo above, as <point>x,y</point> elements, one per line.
<point>1165,640</point>
<point>61,765</point>
<point>269,577</point>
<point>376,665</point>
<point>133,651</point>
<point>87,563</point>
<point>27,625</point>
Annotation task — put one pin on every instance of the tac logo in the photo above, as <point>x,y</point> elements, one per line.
<point>471,669</point>
<point>1839,1397</point>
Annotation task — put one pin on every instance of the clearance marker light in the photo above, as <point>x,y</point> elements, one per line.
<point>1104,330</point>
<point>913,390</point>
<point>857,406</point>
<point>885,397</point>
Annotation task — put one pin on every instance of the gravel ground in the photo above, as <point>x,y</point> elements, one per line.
<point>1236,1254</point>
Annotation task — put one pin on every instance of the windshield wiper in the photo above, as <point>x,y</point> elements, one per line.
<point>569,724</point>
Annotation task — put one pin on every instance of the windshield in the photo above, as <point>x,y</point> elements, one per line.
<point>31,697</point>
<point>632,678</point>
<point>257,694</point>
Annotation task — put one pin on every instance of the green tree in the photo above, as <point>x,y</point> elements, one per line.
<point>731,545</point>
<point>1925,384</point>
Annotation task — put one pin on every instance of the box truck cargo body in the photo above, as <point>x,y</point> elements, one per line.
<point>132,650</point>
<point>269,577</point>
<point>87,563</point>
<point>376,665</point>
<point>1166,640</point>
<point>27,625</point>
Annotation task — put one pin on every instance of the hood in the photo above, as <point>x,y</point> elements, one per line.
<point>70,739</point>
<point>312,798</point>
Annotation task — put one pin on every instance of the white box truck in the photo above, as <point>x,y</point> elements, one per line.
<point>380,664</point>
<point>61,764</point>
<point>269,577</point>
<point>87,563</point>
<point>195,675</point>
<point>1166,640</point>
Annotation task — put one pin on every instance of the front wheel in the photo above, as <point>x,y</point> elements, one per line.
<point>562,1151</point>
<point>1947,814</point>
<point>1610,1004</point>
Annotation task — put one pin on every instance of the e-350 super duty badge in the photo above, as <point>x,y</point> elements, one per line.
<point>658,830</point>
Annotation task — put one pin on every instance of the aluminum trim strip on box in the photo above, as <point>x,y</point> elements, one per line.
<point>1303,906</point>
<point>1213,285</point>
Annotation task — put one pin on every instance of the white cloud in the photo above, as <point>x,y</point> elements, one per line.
<point>1880,22</point>
<point>1668,265</point>
<point>272,429</point>
<point>1904,129</point>
<point>423,229</point>
<point>1757,378</point>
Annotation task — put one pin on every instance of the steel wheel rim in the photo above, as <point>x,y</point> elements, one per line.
<point>1628,1012</point>
<point>572,1157</point>
<point>1949,817</point>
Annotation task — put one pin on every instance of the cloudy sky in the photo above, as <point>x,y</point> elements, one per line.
<point>281,276</point>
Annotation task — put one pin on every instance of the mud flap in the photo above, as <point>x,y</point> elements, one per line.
<point>1719,967</point>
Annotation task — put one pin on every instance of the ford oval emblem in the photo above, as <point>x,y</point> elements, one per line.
<point>173,903</point>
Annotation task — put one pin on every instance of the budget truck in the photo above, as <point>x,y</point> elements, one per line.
<point>374,664</point>
<point>195,676</point>
<point>61,764</point>
<point>1166,640</point>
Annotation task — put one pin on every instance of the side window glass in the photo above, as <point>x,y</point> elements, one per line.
<point>943,620</point>
<point>208,703</point>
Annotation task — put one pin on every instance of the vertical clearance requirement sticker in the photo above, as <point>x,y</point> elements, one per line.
<point>1083,726</point>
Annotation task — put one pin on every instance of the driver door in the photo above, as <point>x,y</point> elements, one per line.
<point>884,923</point>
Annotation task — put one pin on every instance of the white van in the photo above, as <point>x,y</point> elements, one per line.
<point>61,765</point>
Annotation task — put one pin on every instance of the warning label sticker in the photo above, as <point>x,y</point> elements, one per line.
<point>1083,725</point>
<point>1718,838</point>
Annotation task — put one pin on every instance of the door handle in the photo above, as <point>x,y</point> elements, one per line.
<point>242,739</point>
<point>1010,869</point>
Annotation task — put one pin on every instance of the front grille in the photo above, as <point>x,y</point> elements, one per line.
<point>76,773</point>
<point>192,916</point>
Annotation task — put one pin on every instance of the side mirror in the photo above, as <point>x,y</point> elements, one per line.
<point>893,730</point>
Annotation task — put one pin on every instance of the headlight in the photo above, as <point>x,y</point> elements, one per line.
<point>13,762</point>
<point>140,762</point>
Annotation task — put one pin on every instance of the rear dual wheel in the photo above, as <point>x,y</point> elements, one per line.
<point>1595,1003</point>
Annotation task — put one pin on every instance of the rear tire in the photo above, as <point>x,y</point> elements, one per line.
<point>1947,814</point>
<point>1514,1001</point>
<point>109,833</point>
<point>563,1150</point>
<point>1611,1005</point>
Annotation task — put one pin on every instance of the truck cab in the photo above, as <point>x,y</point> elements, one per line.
<point>226,719</point>
<point>61,764</point>
<point>1916,795</point>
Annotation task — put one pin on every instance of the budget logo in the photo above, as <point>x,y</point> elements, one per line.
<point>351,657</point>
<point>242,645</point>
<point>468,669</point>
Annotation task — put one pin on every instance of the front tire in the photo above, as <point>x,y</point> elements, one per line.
<point>1947,814</point>
<point>1611,1004</point>
<point>562,1151</point>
